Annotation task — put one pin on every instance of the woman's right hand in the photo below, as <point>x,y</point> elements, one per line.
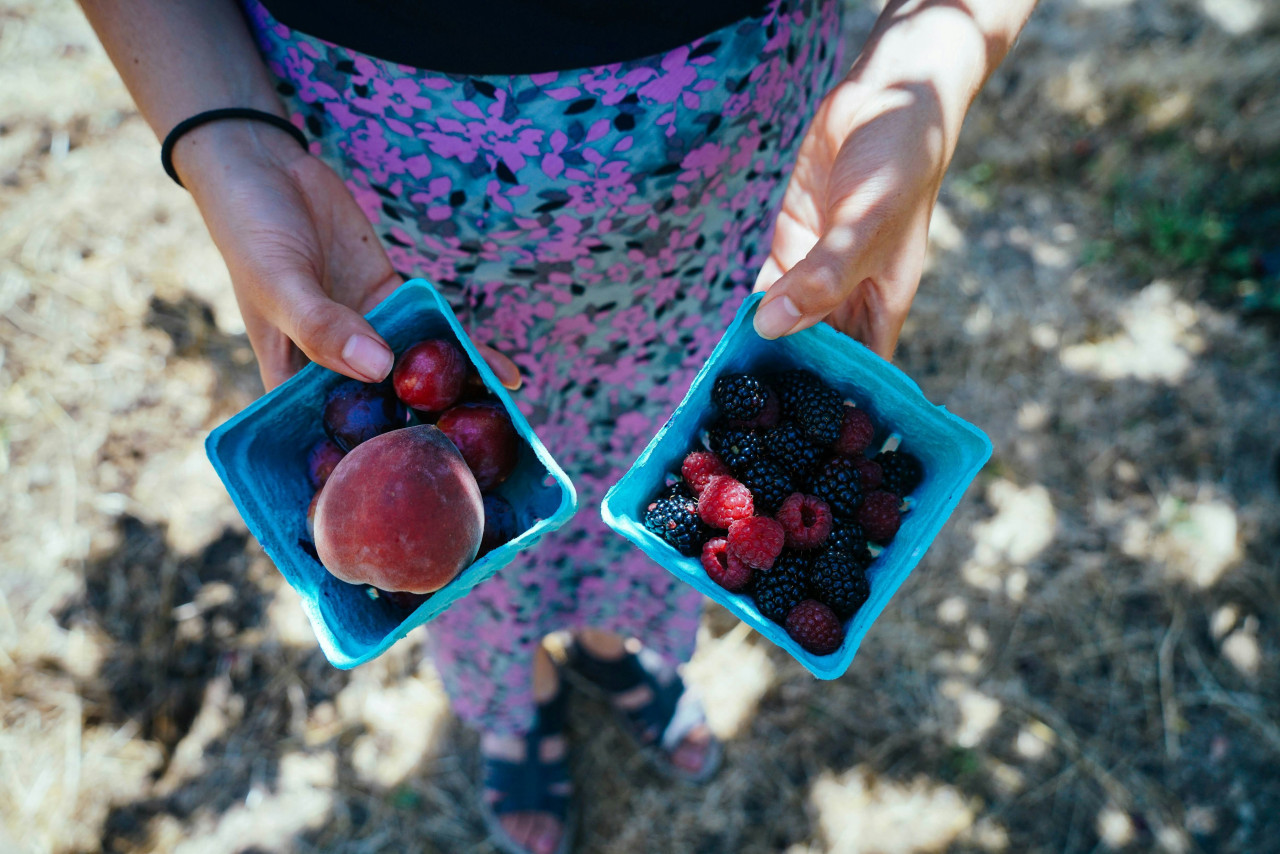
<point>304,261</point>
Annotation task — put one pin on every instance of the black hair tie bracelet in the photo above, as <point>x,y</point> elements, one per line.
<point>166,149</point>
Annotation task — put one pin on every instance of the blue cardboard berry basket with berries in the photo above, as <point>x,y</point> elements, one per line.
<point>951,452</point>
<point>261,456</point>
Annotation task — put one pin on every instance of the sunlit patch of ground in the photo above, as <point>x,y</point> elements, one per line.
<point>859,814</point>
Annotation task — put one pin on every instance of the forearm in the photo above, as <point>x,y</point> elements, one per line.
<point>181,57</point>
<point>948,47</point>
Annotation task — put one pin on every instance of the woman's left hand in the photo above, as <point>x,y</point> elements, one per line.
<point>850,239</point>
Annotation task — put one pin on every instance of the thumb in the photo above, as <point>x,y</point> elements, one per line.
<point>813,288</point>
<point>330,333</point>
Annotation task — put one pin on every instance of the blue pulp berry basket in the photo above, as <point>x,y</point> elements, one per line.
<point>951,450</point>
<point>261,456</point>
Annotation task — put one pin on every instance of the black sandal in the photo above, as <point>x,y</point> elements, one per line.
<point>528,785</point>
<point>659,726</point>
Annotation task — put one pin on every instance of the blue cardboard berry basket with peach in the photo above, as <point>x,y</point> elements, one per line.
<point>832,394</point>
<point>264,453</point>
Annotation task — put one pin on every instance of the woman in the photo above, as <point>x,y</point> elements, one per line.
<point>598,225</point>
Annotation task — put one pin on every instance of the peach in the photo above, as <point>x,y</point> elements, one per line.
<point>401,512</point>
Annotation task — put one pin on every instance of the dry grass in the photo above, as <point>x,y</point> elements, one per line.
<point>1085,661</point>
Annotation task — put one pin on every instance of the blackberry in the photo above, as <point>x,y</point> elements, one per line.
<point>901,472</point>
<point>815,627</point>
<point>791,385</point>
<point>813,404</point>
<point>821,414</point>
<point>770,484</point>
<point>787,446</point>
<point>776,591</point>
<point>839,580</point>
<point>735,446</point>
<point>739,396</point>
<point>847,535</point>
<point>839,483</point>
<point>677,489</point>
<point>676,521</point>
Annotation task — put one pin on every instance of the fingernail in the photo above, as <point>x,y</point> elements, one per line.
<point>509,376</point>
<point>366,356</point>
<point>776,318</point>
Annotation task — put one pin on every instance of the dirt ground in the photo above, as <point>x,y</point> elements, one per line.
<point>1086,660</point>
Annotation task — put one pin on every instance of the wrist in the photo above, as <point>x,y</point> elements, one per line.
<point>936,51</point>
<point>216,154</point>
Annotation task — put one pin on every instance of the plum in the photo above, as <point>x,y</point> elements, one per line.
<point>429,376</point>
<point>499,523</point>
<point>320,462</point>
<point>401,512</point>
<point>355,412</point>
<point>486,438</point>
<point>473,387</point>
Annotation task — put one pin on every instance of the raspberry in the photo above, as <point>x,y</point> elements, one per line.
<point>870,472</point>
<point>848,536</point>
<point>724,501</point>
<point>787,446</point>
<point>806,520</point>
<point>839,484</point>
<point>856,432</point>
<point>699,467</point>
<point>735,446</point>
<point>769,483</point>
<point>815,627</point>
<point>902,471</point>
<point>778,590</point>
<point>676,521</point>
<point>879,516</point>
<point>838,579</point>
<point>723,567</point>
<point>739,396</point>
<point>757,541</point>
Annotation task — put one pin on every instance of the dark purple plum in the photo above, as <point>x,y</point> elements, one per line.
<point>484,434</point>
<point>321,461</point>
<point>499,523</point>
<point>355,412</point>
<point>473,388</point>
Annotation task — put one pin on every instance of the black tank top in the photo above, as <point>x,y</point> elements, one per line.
<point>510,36</point>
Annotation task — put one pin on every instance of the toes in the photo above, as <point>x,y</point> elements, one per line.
<point>536,832</point>
<point>546,836</point>
<point>518,825</point>
<point>689,757</point>
<point>692,753</point>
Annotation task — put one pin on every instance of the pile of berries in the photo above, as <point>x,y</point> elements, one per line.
<point>432,383</point>
<point>783,504</point>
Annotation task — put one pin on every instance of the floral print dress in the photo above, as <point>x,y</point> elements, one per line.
<point>600,227</point>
